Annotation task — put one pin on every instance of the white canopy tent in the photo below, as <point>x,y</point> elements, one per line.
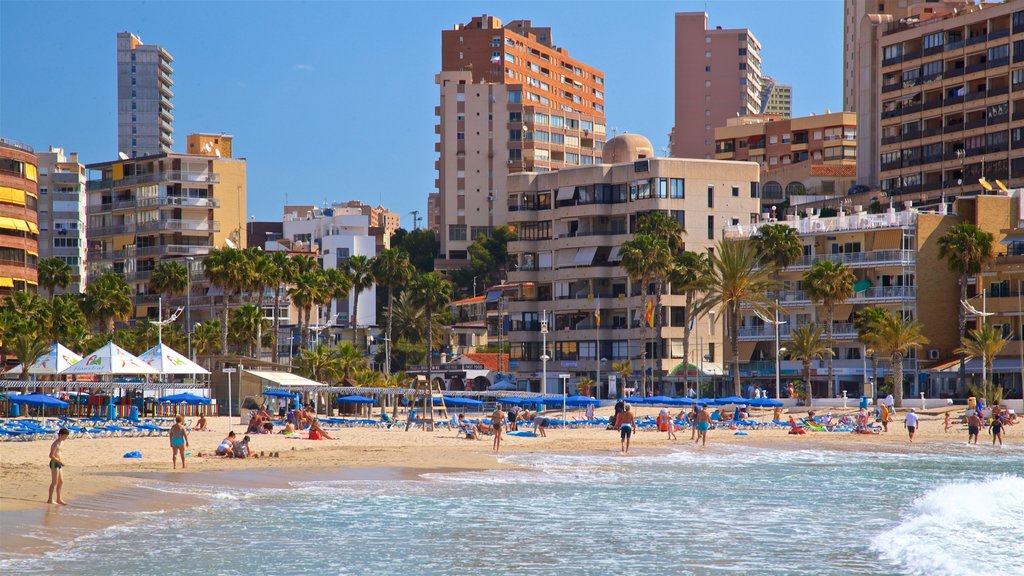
<point>110,360</point>
<point>166,360</point>
<point>52,363</point>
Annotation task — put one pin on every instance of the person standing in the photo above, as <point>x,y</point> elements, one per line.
<point>997,426</point>
<point>590,412</point>
<point>497,420</point>
<point>624,422</point>
<point>973,427</point>
<point>179,441</point>
<point>703,425</point>
<point>56,466</point>
<point>911,423</point>
<point>886,417</point>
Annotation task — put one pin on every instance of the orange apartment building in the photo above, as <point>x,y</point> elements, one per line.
<point>718,76</point>
<point>511,101</point>
<point>19,219</point>
<point>807,156</point>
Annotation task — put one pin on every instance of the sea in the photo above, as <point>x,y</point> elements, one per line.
<point>720,510</point>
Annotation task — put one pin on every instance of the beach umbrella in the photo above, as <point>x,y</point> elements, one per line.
<point>765,403</point>
<point>634,400</point>
<point>653,400</point>
<point>579,400</point>
<point>185,398</point>
<point>516,401</point>
<point>356,399</point>
<point>279,393</point>
<point>39,400</point>
<point>550,400</point>
<point>684,401</point>
<point>54,361</point>
<point>502,385</point>
<point>731,400</point>
<point>467,402</point>
<point>166,360</point>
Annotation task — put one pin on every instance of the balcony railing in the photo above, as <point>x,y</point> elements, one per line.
<point>872,258</point>
<point>165,176</point>
<point>144,251</point>
<point>841,330</point>
<point>846,222</point>
<point>178,201</point>
<point>157,225</point>
<point>876,293</point>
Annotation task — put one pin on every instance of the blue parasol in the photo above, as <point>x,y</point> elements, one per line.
<point>356,399</point>
<point>186,398</point>
<point>39,400</point>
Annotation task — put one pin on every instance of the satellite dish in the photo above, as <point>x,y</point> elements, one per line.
<point>230,243</point>
<point>122,155</point>
<point>217,152</point>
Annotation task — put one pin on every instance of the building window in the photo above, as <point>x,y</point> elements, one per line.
<point>753,189</point>
<point>772,190</point>
<point>711,227</point>
<point>736,191</point>
<point>933,40</point>
<point>678,189</point>
<point>456,231</point>
<point>711,196</point>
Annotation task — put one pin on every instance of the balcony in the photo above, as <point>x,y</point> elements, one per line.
<point>66,178</point>
<point>832,225</point>
<point>174,201</point>
<point>840,331</point>
<point>861,259</point>
<point>144,251</point>
<point>157,226</point>
<point>953,73</point>
<point>166,176</point>
<point>869,295</point>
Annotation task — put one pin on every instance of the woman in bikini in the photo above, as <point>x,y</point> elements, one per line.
<point>179,441</point>
<point>227,445</point>
<point>497,419</point>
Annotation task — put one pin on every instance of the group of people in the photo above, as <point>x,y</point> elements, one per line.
<point>260,422</point>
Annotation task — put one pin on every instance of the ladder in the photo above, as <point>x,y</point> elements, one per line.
<point>426,399</point>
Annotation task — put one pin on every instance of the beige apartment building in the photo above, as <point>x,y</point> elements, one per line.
<point>433,213</point>
<point>144,96</point>
<point>718,76</point>
<point>62,216</point>
<point>571,225</point>
<point>168,206</point>
<point>811,156</point>
<point>511,101</point>
<point>776,99</point>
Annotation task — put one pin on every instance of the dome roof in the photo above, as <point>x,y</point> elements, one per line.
<point>626,148</point>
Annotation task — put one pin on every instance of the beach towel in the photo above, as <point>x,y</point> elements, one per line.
<point>133,454</point>
<point>522,433</point>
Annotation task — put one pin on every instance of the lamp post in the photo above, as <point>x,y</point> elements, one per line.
<point>984,313</point>
<point>565,384</point>
<point>544,352</point>
<point>188,304</point>
<point>778,349</point>
<point>600,362</point>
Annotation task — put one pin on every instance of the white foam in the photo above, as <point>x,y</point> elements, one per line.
<point>957,528</point>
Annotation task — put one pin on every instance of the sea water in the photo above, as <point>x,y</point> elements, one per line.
<point>718,510</point>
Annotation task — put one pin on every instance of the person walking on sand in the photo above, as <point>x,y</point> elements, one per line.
<point>973,427</point>
<point>945,424</point>
<point>703,424</point>
<point>497,419</point>
<point>886,417</point>
<point>624,422</point>
<point>911,424</point>
<point>179,441</point>
<point>693,422</point>
<point>56,464</point>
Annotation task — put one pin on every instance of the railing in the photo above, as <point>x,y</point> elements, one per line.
<point>165,176</point>
<point>811,225</point>
<point>11,142</point>
<point>875,293</point>
<point>182,201</point>
<point>157,225</point>
<point>66,178</point>
<point>843,330</point>
<point>872,258</point>
<point>172,249</point>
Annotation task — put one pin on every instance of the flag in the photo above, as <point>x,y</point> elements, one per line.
<point>597,313</point>
<point>650,313</point>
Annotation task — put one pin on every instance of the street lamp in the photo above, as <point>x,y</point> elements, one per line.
<point>983,313</point>
<point>188,304</point>
<point>600,363</point>
<point>544,352</point>
<point>565,384</point>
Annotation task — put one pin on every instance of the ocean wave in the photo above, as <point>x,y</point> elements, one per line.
<point>953,527</point>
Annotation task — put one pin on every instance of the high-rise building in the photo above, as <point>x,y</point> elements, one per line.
<point>164,207</point>
<point>718,76</point>
<point>143,97</point>
<point>19,222</point>
<point>434,213</point>
<point>776,99</point>
<point>511,101</point>
<point>810,156</point>
<point>567,258</point>
<point>62,221</point>
<point>948,112</point>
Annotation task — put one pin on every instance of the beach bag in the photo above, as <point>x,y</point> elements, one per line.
<point>314,435</point>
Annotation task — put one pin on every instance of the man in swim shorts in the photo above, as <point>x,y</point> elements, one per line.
<point>56,464</point>
<point>703,425</point>
<point>911,424</point>
<point>973,427</point>
<point>624,422</point>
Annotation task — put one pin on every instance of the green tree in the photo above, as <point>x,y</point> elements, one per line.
<point>338,287</point>
<point>53,273</point>
<point>966,248</point>
<point>170,278</point>
<point>830,284</point>
<point>865,321</point>
<point>264,275</point>
<point>360,273</point>
<point>108,298</point>
<point>689,276</point>
<point>585,385</point>
<point>896,338</point>
<point>984,343</point>
<point>350,361</point>
<point>624,369</point>
<point>219,267</point>
<point>68,324</point>
<point>391,269</point>
<point>284,270</point>
<point>646,260</point>
<point>806,344</point>
<point>247,325</point>
<point>421,245</point>
<point>319,363</point>
<point>206,339</point>
<point>307,290</point>
<point>24,328</point>
<point>432,292</point>
<point>738,278</point>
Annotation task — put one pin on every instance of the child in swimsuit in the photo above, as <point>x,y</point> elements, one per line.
<point>56,464</point>
<point>179,441</point>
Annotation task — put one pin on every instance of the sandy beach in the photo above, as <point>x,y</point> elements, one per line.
<point>96,465</point>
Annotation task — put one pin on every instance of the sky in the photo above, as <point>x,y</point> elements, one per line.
<point>334,101</point>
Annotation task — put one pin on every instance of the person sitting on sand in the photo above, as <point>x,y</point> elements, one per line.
<point>255,424</point>
<point>318,433</point>
<point>226,445</point>
<point>200,425</point>
<point>795,428</point>
<point>467,429</point>
<point>481,428</point>
<point>288,429</point>
<point>241,449</point>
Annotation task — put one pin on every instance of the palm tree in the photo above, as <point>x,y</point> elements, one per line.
<point>284,270</point>
<point>984,343</point>
<point>360,273</point>
<point>338,286</point>
<point>391,269</point>
<point>350,361</point>
<point>67,322</point>
<point>689,275</point>
<point>865,321</point>
<point>431,291</point>
<point>367,378</point>
<point>829,283</point>
<point>319,363</point>
<point>109,298</point>
<point>25,319</point>
<point>306,291</point>
<point>778,245</point>
<point>738,278</point>
<point>247,323</point>
<point>966,249</point>
<point>646,259</point>
<point>662,226</point>
<point>585,385</point>
<point>264,274</point>
<point>206,339</point>
<point>217,266</point>
<point>624,369</point>
<point>54,273</point>
<point>897,337</point>
<point>806,345</point>
<point>170,278</point>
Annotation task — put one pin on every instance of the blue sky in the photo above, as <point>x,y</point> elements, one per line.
<point>335,100</point>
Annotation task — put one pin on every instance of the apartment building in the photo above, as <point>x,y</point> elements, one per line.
<point>333,235</point>
<point>810,156</point>
<point>951,104</point>
<point>143,97</point>
<point>571,225</point>
<point>62,217</point>
<point>167,206</point>
<point>717,77</point>
<point>511,101</point>
<point>894,256</point>
<point>433,213</point>
<point>19,221</point>
<point>383,222</point>
<point>776,99</point>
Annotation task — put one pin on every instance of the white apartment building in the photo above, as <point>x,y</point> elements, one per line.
<point>62,183</point>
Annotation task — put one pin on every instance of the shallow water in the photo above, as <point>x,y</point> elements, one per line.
<point>721,510</point>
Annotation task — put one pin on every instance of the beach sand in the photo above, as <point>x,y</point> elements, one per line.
<point>96,466</point>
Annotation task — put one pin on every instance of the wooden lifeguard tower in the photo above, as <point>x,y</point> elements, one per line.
<point>425,400</point>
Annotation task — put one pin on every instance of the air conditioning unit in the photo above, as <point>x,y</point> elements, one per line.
<point>933,354</point>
